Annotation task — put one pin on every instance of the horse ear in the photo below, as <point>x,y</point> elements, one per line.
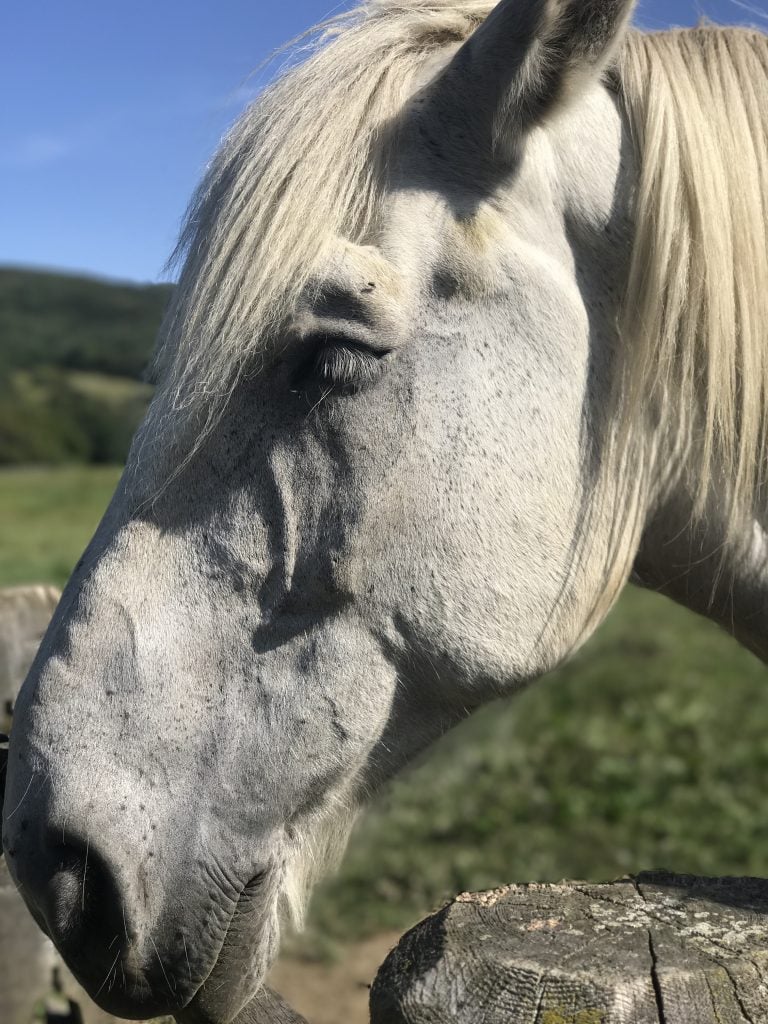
<point>526,60</point>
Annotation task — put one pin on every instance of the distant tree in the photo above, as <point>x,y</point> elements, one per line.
<point>77,322</point>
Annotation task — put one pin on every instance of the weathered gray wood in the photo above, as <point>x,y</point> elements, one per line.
<point>24,616</point>
<point>655,949</point>
<point>26,959</point>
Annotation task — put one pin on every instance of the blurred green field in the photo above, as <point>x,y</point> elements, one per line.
<point>650,749</point>
<point>71,366</point>
<point>47,516</point>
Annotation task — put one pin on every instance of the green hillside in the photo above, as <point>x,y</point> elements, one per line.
<point>77,323</point>
<point>72,354</point>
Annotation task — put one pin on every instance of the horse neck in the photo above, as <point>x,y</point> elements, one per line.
<point>691,559</point>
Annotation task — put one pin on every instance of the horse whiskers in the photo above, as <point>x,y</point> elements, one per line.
<point>21,801</point>
<point>186,956</point>
<point>319,402</point>
<point>85,870</point>
<point>171,989</point>
<point>113,967</point>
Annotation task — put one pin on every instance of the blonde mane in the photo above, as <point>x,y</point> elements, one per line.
<point>303,166</point>
<point>695,332</point>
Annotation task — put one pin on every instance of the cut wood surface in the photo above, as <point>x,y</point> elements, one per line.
<point>655,949</point>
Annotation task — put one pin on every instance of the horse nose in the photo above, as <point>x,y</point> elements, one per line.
<point>77,896</point>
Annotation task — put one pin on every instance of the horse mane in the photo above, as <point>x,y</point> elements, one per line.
<point>303,166</point>
<point>694,340</point>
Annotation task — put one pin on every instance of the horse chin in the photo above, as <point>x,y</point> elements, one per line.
<point>235,979</point>
<point>232,984</point>
<point>139,1003</point>
<point>250,947</point>
<point>237,970</point>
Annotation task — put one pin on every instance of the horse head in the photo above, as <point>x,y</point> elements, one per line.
<point>361,504</point>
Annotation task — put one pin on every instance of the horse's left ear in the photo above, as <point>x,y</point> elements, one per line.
<point>525,61</point>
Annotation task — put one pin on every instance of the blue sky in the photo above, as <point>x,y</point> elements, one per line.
<point>111,110</point>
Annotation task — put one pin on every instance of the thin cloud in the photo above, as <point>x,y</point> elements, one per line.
<point>239,98</point>
<point>35,151</point>
<point>757,12</point>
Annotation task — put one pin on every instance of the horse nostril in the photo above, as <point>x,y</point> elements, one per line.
<point>80,900</point>
<point>78,887</point>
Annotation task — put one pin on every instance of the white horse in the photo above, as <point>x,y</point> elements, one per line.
<point>471,327</point>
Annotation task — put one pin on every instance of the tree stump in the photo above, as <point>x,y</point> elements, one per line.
<point>655,949</point>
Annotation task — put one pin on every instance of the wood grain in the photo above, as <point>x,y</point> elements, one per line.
<point>655,949</point>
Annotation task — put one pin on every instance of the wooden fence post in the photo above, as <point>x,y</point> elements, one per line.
<point>24,616</point>
<point>655,949</point>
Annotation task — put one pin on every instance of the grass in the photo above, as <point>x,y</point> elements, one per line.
<point>649,749</point>
<point>108,388</point>
<point>47,516</point>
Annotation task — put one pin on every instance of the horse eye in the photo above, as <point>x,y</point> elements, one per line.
<point>340,364</point>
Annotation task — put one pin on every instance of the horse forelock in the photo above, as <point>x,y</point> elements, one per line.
<point>299,170</point>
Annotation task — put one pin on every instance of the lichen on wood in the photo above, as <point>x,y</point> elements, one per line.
<point>655,949</point>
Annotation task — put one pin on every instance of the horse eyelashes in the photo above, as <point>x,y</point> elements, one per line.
<point>341,364</point>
